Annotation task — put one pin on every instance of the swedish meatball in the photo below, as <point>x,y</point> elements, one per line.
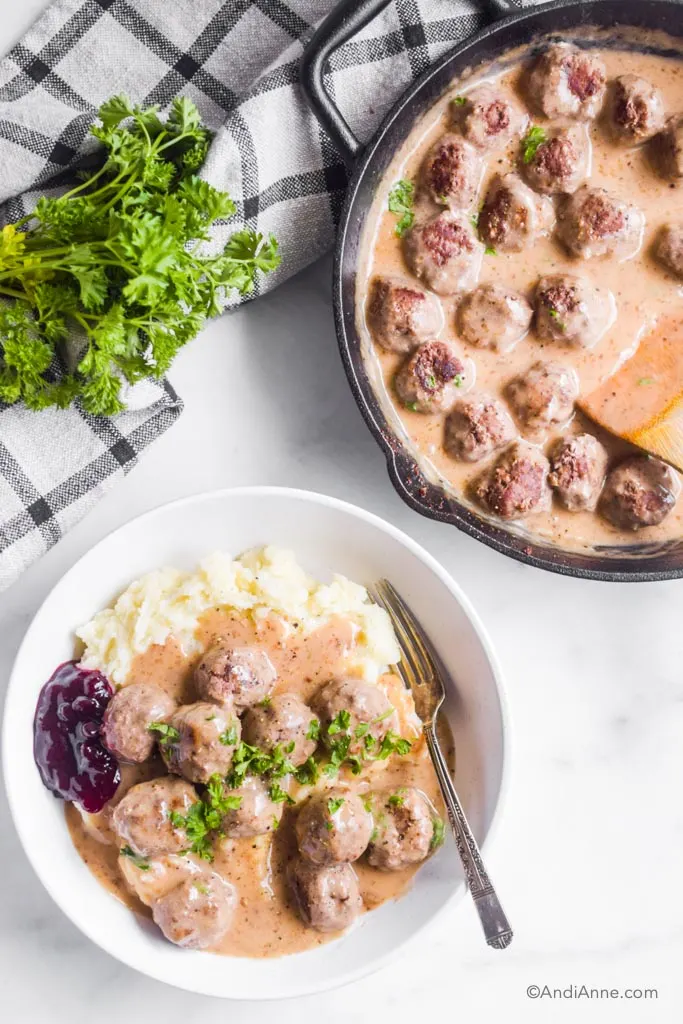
<point>477,426</point>
<point>560,163</point>
<point>364,703</point>
<point>433,377</point>
<point>667,148</point>
<point>669,248</point>
<point>488,118</point>
<point>594,223</point>
<point>635,109</point>
<point>518,483</point>
<point>327,896</point>
<point>243,675</point>
<point>577,471</point>
<point>198,912</point>
<point>567,82</point>
<point>639,492</point>
<point>444,253</point>
<point>142,819</point>
<point>285,722</point>
<point>513,216</point>
<point>404,829</point>
<point>204,742</point>
<point>333,827</point>
<point>400,315</point>
<point>572,311</point>
<point>130,712</point>
<point>493,316</point>
<point>257,813</point>
<point>544,395</point>
<point>451,172</point>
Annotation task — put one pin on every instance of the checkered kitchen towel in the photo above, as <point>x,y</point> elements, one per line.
<point>238,60</point>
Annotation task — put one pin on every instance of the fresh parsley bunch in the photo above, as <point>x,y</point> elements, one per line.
<point>119,259</point>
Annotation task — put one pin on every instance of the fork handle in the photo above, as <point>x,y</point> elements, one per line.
<point>497,930</point>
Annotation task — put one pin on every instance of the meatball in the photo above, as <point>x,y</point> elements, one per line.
<point>404,829</point>
<point>243,675</point>
<point>257,813</point>
<point>577,471</point>
<point>433,377</point>
<point>513,216</point>
<point>487,118</point>
<point>493,316</point>
<point>365,704</point>
<point>572,311</point>
<point>327,897</point>
<point>285,722</point>
<point>640,491</point>
<point>400,316</point>
<point>207,736</point>
<point>594,223</point>
<point>477,426</point>
<point>451,172</point>
<point>198,912</point>
<point>143,818</point>
<point>567,82</point>
<point>667,148</point>
<point>560,163</point>
<point>333,827</point>
<point>518,484</point>
<point>635,109</point>
<point>444,253</point>
<point>669,248</point>
<point>130,712</point>
<point>544,395</point>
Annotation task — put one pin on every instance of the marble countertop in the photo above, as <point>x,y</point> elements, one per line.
<point>588,855</point>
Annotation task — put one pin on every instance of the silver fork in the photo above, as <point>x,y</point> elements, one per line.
<point>420,673</point>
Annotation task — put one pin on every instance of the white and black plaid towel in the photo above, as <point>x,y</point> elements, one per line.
<point>238,60</point>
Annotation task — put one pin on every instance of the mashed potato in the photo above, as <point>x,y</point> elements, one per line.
<point>168,603</point>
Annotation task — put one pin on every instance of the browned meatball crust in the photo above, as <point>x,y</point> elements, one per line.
<point>327,897</point>
<point>401,315</point>
<point>333,827</point>
<point>197,913</point>
<point>286,722</point>
<point>451,172</point>
<point>142,819</point>
<point>544,395</point>
<point>207,736</point>
<point>577,471</point>
<point>518,483</point>
<point>641,491</point>
<point>513,216</point>
<point>667,148</point>
<point>488,118</point>
<point>432,378</point>
<point>571,310</point>
<point>130,712</point>
<point>594,223</point>
<point>243,675</point>
<point>404,832</point>
<point>635,109</point>
<point>444,253</point>
<point>366,705</point>
<point>669,248</point>
<point>561,163</point>
<point>567,82</point>
<point>257,814</point>
<point>493,316</point>
<point>477,426</point>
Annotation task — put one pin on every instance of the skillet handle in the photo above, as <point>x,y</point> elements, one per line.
<point>343,22</point>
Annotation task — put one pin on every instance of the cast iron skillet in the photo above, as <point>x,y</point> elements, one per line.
<point>637,562</point>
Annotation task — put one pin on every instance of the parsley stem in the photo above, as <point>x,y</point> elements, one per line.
<point>14,294</point>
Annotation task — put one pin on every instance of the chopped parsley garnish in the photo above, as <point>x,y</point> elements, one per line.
<point>265,703</point>
<point>397,799</point>
<point>401,202</point>
<point>367,802</point>
<point>200,887</point>
<point>248,760</point>
<point>490,251</point>
<point>460,101</point>
<point>139,862</point>
<point>556,316</point>
<point>229,737</point>
<point>166,733</point>
<point>645,381</point>
<point>202,823</point>
<point>313,730</point>
<point>412,406</point>
<point>431,382</point>
<point>459,380</point>
<point>474,220</point>
<point>393,744</point>
<point>534,138</point>
<point>438,834</point>
<point>307,774</point>
<point>278,795</point>
<point>334,803</point>
<point>339,723</point>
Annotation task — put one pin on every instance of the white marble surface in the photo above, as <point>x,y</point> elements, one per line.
<point>588,856</point>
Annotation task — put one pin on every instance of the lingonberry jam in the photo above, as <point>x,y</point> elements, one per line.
<point>67,748</point>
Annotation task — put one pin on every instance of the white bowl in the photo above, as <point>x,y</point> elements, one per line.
<point>327,536</point>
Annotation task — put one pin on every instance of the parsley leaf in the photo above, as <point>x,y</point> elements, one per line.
<point>139,862</point>
<point>334,803</point>
<point>229,737</point>
<point>438,834</point>
<point>401,202</point>
<point>278,795</point>
<point>534,138</point>
<point>340,722</point>
<point>460,101</point>
<point>167,734</point>
<point>313,730</point>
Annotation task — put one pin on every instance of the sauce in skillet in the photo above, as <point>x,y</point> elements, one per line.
<point>644,293</point>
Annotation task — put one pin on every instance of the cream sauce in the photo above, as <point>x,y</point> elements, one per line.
<point>643,291</point>
<point>265,923</point>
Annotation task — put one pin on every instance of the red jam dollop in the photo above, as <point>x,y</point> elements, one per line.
<point>68,751</point>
